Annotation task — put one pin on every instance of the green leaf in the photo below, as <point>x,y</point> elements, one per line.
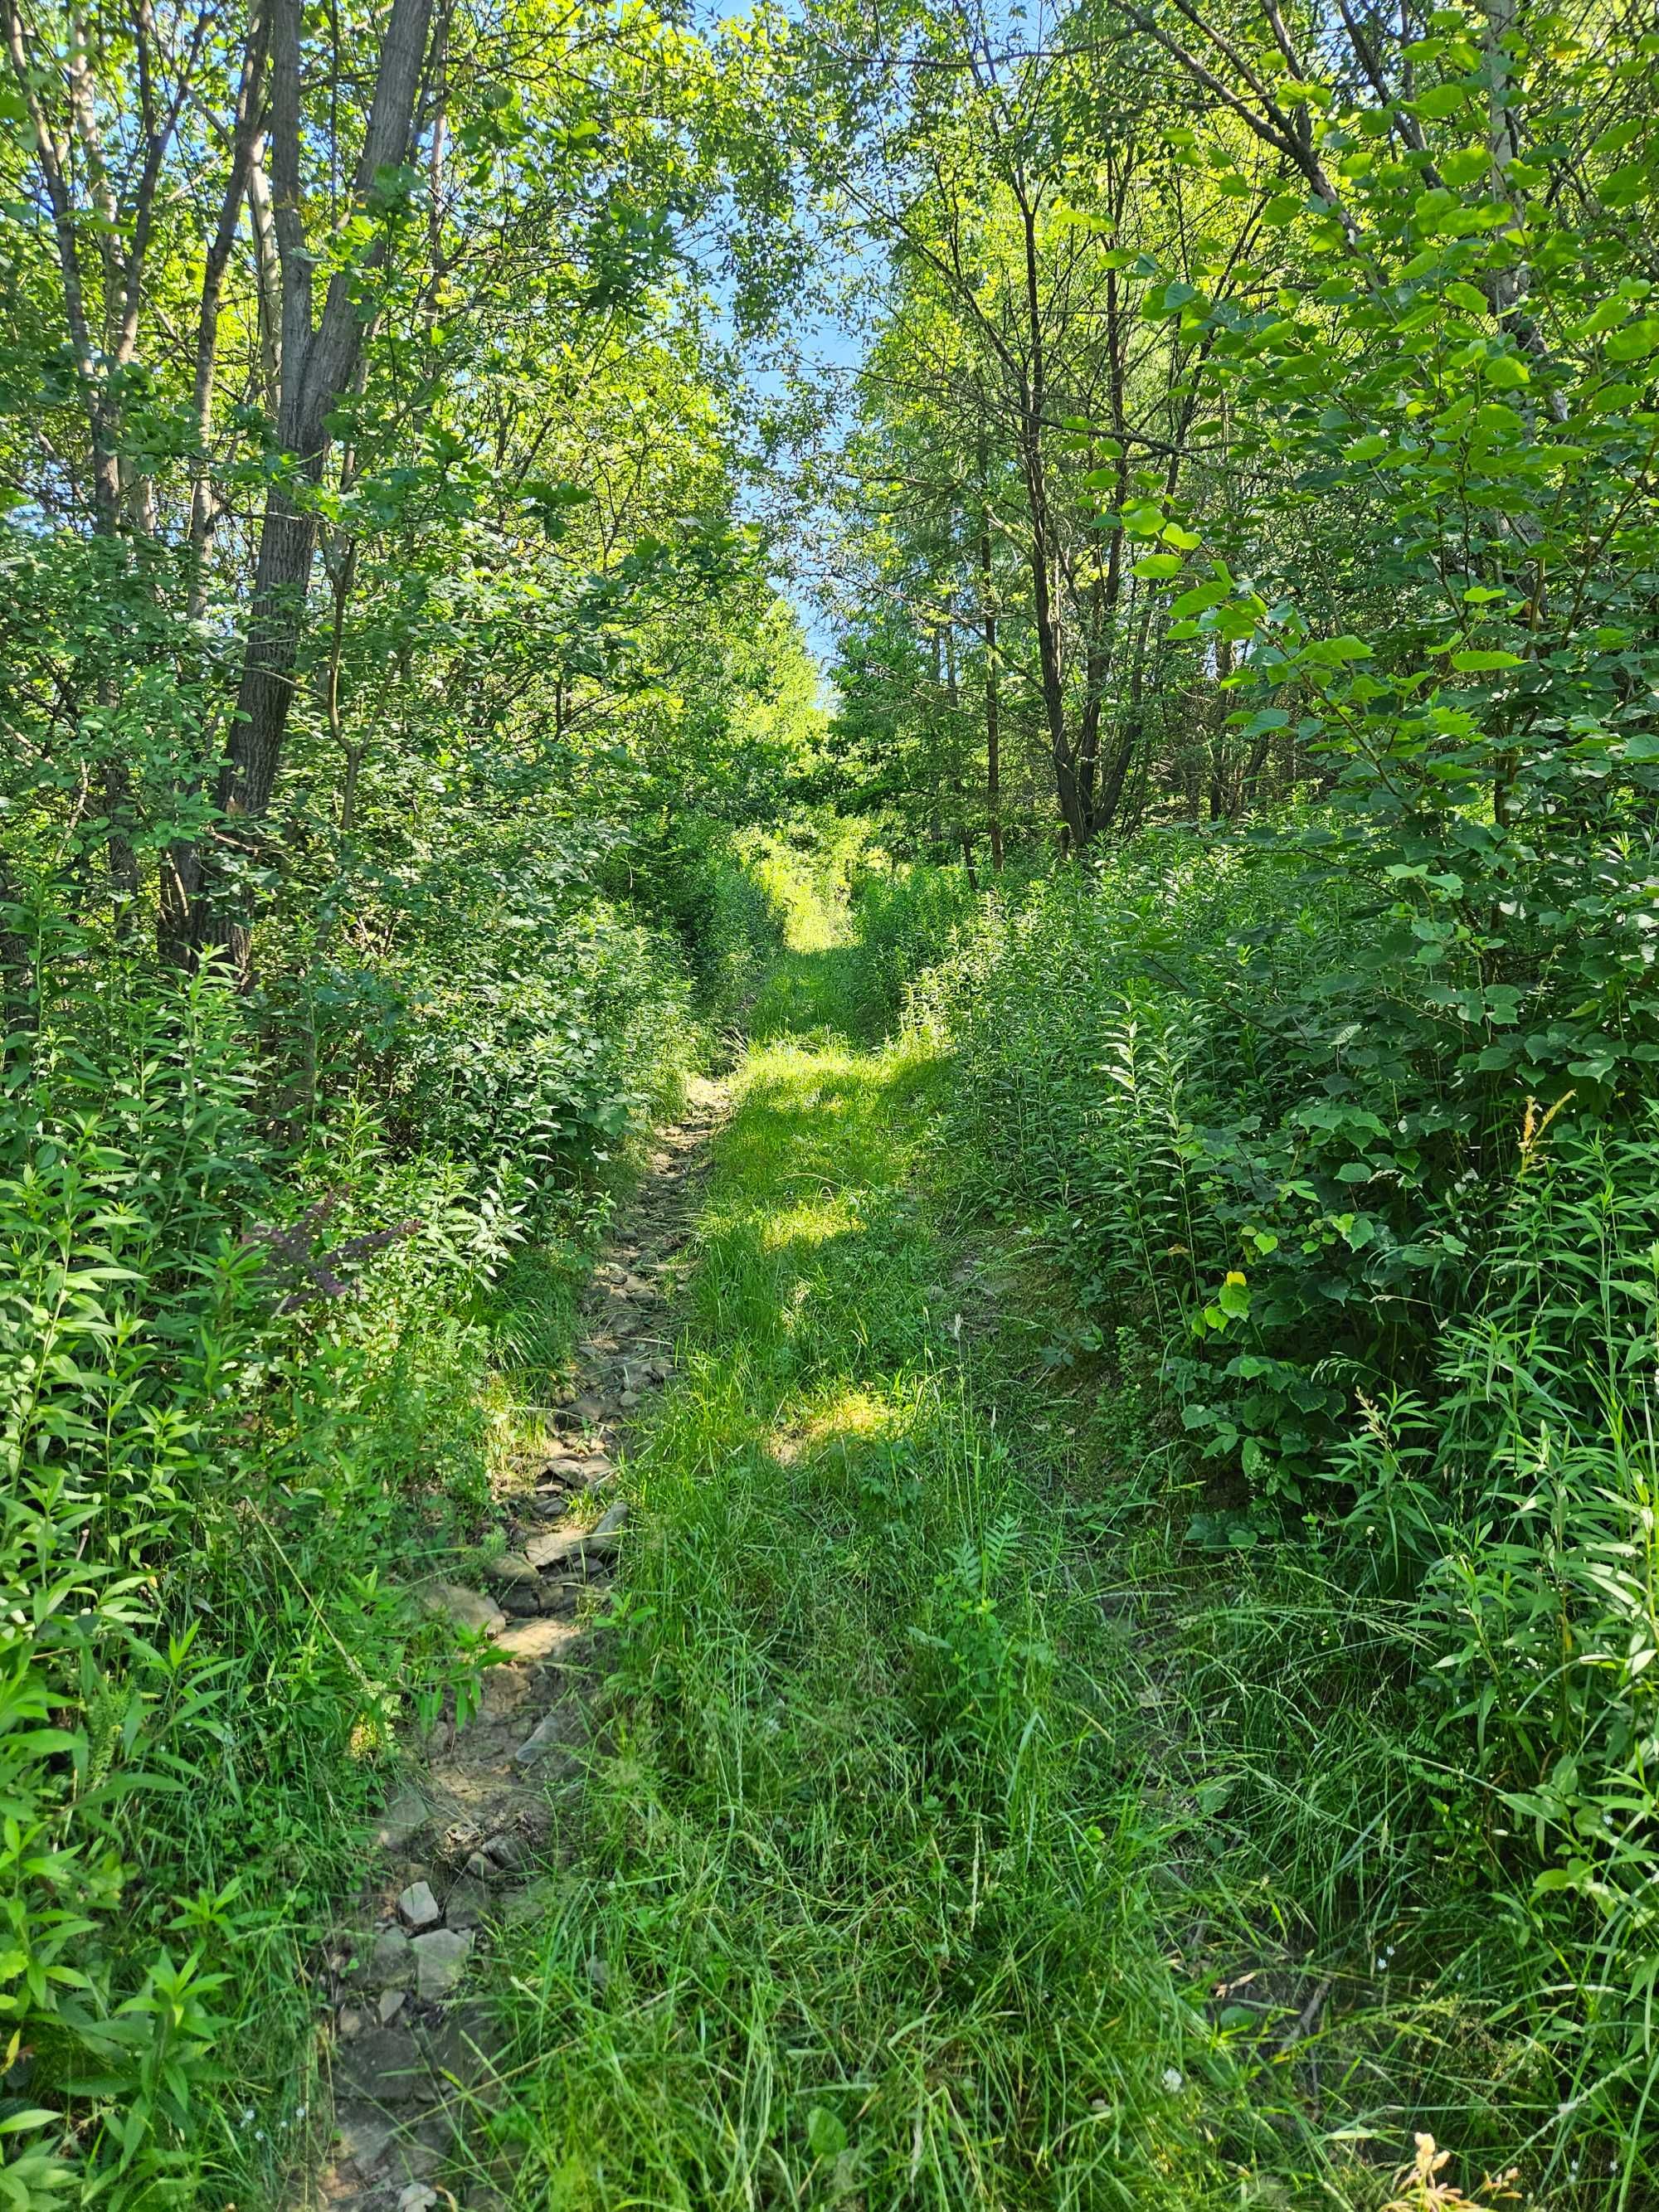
<point>1504,371</point>
<point>1156,567</point>
<point>1625,186</point>
<point>1636,341</point>
<point>1465,167</point>
<point>1468,663</point>
<point>826,2133</point>
<point>1200,600</point>
<point>1441,100</point>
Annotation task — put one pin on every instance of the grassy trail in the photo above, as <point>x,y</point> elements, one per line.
<point>859,1911</point>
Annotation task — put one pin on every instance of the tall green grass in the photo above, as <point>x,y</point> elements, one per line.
<point>858,1907</point>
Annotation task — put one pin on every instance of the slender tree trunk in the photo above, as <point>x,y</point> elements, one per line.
<point>243,135</point>
<point>992,704</point>
<point>318,365</point>
<point>1046,613</point>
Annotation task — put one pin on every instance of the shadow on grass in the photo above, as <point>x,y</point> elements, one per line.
<point>813,997</point>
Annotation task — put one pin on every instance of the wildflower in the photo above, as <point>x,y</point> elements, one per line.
<point>246,2120</point>
<point>1171,2079</point>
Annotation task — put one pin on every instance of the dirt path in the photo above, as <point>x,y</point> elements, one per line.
<point>462,1848</point>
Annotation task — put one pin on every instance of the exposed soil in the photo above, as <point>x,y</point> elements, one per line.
<point>409,2044</point>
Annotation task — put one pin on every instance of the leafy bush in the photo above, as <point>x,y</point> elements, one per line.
<point>905,921</point>
<point>1418,1315</point>
<point>691,875</point>
<point>1515,1510</point>
<point>1184,1063</point>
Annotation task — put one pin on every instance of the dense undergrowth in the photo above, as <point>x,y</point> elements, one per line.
<point>275,1272</point>
<point>1371,1337</point>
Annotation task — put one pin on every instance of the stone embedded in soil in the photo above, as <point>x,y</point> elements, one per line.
<point>391,1963</point>
<point>463,2047</point>
<point>547,1736</point>
<point>506,1852</point>
<point>560,1544</point>
<point>440,1961</point>
<point>467,1903</point>
<point>557,1545</point>
<point>417,1908</point>
<point>504,1688</point>
<point>531,1641</point>
<point>510,1568</point>
<point>392,2003</point>
<point>402,1821</point>
<point>413,2159</point>
<point>363,2138</point>
<point>467,1608</point>
<point>385,2067</point>
<point>605,1534</point>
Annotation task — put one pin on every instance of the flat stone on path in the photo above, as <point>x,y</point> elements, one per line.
<point>535,1640</point>
<point>467,1608</point>
<point>440,1961</point>
<point>364,2137</point>
<point>511,1567</point>
<point>385,2067</point>
<point>467,1903</point>
<point>559,1544</point>
<point>391,1962</point>
<point>402,1821</point>
<point>546,1736</point>
<point>417,1908</point>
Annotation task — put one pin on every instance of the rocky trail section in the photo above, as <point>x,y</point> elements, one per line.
<point>409,2042</point>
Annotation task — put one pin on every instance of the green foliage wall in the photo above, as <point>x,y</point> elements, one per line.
<point>1403,1353</point>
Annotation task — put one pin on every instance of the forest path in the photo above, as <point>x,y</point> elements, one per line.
<point>416,2068</point>
<point>851,1903</point>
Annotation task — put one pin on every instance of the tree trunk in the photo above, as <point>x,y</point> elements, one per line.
<point>992,704</point>
<point>318,367</point>
<point>1042,591</point>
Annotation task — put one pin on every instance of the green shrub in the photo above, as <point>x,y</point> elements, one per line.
<point>1175,1062</point>
<point>249,1304</point>
<point>1407,1323</point>
<point>905,921</point>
